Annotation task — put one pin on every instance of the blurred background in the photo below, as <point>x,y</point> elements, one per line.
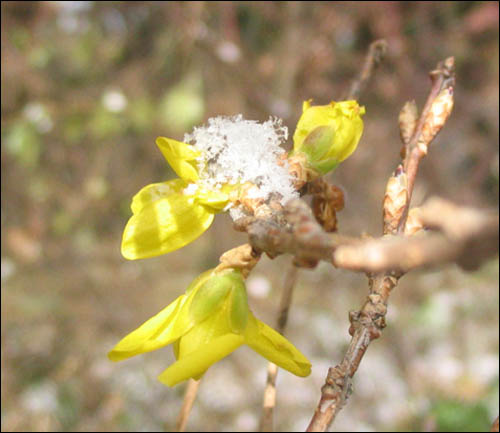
<point>88,86</point>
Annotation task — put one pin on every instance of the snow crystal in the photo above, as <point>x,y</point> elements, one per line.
<point>236,212</point>
<point>235,150</point>
<point>190,189</point>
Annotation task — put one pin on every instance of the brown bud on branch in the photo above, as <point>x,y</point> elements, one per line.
<point>408,118</point>
<point>414,222</point>
<point>436,118</point>
<point>395,200</point>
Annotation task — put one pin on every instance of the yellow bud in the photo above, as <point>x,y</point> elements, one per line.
<point>328,134</point>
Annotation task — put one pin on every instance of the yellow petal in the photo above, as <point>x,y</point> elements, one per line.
<point>312,117</point>
<point>166,327</point>
<point>156,191</point>
<point>215,200</point>
<point>209,298</point>
<point>349,131</point>
<point>214,326</point>
<point>197,362</point>
<point>180,156</point>
<point>185,320</point>
<point>238,304</point>
<point>164,225</point>
<point>151,335</point>
<point>276,348</point>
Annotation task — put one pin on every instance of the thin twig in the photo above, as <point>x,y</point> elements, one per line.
<point>286,298</point>
<point>305,230</point>
<point>428,125</point>
<point>375,54</point>
<point>187,404</point>
<point>266,421</point>
<point>367,323</point>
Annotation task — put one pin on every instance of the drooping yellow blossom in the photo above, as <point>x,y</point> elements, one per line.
<point>168,215</point>
<point>207,323</point>
<point>327,134</point>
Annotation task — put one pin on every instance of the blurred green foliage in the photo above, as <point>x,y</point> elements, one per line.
<point>452,415</point>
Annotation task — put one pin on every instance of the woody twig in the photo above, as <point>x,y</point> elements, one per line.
<point>269,401</point>
<point>375,54</point>
<point>368,323</point>
<point>462,235</point>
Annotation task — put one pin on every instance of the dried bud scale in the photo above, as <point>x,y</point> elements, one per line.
<point>327,201</point>
<point>436,117</point>
<point>243,258</point>
<point>408,118</point>
<point>395,199</point>
<point>413,222</point>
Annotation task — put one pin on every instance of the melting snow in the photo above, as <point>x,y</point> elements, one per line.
<point>235,150</point>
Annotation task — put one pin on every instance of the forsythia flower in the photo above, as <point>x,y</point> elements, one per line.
<point>168,215</point>
<point>327,134</point>
<point>235,156</point>
<point>205,325</point>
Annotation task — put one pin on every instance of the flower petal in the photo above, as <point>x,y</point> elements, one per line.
<point>312,117</point>
<point>239,312</point>
<point>276,348</point>
<point>167,327</point>
<point>214,326</point>
<point>216,200</point>
<point>181,157</point>
<point>196,363</point>
<point>209,298</point>
<point>156,191</point>
<point>151,335</point>
<point>164,225</point>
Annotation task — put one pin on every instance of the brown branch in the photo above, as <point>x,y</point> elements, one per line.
<point>466,236</point>
<point>436,111</point>
<point>375,55</point>
<point>368,323</point>
<point>295,231</point>
<point>366,326</point>
<point>266,421</point>
<point>187,404</point>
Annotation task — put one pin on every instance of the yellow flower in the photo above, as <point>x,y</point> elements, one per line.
<point>327,134</point>
<point>205,325</point>
<point>168,215</point>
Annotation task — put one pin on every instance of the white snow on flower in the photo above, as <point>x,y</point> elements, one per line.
<point>190,189</point>
<point>236,212</point>
<point>235,150</point>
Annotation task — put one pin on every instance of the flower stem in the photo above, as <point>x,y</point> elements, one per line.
<point>187,405</point>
